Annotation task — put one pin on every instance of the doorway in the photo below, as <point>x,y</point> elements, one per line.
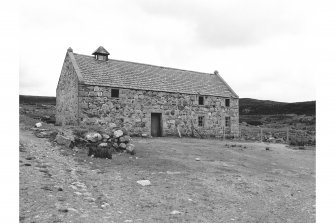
<point>156,120</point>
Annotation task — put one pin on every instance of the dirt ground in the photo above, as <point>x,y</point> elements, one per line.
<point>232,182</point>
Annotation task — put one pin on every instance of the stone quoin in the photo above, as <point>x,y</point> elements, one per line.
<point>144,99</point>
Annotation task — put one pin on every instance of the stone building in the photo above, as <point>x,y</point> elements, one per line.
<point>144,99</point>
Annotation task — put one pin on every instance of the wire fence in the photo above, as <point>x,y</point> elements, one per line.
<point>276,135</point>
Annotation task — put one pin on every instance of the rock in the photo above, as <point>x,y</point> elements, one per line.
<point>123,146</point>
<point>112,125</point>
<point>104,144</point>
<point>89,199</point>
<point>115,145</point>
<point>175,212</point>
<point>44,134</point>
<point>267,148</point>
<point>63,140</point>
<point>145,135</point>
<point>121,139</point>
<point>72,209</point>
<point>93,136</point>
<point>130,149</point>
<point>75,149</point>
<point>197,159</point>
<point>127,138</point>
<point>144,182</point>
<point>118,133</point>
<point>105,136</point>
<point>38,125</point>
<point>78,193</point>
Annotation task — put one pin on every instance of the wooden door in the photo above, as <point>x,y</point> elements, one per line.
<point>156,124</point>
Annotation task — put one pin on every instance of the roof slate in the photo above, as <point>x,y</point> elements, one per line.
<point>123,74</point>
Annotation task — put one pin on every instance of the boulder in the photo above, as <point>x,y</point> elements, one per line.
<point>63,140</point>
<point>127,138</point>
<point>93,136</point>
<point>122,145</point>
<point>145,135</point>
<point>130,149</point>
<point>112,125</point>
<point>45,134</point>
<point>104,144</point>
<point>122,139</point>
<point>118,133</point>
<point>144,182</point>
<point>105,136</point>
<point>38,125</point>
<point>115,145</point>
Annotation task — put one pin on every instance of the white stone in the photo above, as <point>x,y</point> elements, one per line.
<point>93,136</point>
<point>105,136</point>
<point>130,148</point>
<point>118,133</point>
<point>144,182</point>
<point>197,159</point>
<point>38,125</point>
<point>104,144</point>
<point>175,212</point>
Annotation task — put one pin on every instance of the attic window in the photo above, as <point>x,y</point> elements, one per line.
<point>201,100</point>
<point>227,102</point>
<point>201,121</point>
<point>115,93</point>
<point>101,57</point>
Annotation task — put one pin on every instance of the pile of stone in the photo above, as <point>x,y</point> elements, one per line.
<point>102,145</point>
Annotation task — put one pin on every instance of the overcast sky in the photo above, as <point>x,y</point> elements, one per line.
<point>264,49</point>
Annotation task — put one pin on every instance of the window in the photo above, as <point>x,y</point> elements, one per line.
<point>101,57</point>
<point>201,121</point>
<point>227,102</point>
<point>227,121</point>
<point>201,100</point>
<point>115,93</point>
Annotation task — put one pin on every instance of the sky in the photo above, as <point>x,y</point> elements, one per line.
<point>264,49</point>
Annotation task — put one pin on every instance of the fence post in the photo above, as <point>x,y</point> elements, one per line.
<point>287,136</point>
<point>261,134</point>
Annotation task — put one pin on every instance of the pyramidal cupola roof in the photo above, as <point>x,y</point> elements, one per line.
<point>101,51</point>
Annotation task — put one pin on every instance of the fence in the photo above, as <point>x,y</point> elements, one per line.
<point>276,135</point>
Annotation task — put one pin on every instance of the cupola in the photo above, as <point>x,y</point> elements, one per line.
<point>101,54</point>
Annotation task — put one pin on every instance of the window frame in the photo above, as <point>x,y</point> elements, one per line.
<point>203,100</point>
<point>225,102</point>
<point>118,92</point>
<point>201,121</point>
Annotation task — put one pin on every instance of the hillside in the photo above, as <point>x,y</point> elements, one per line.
<point>28,99</point>
<point>249,106</point>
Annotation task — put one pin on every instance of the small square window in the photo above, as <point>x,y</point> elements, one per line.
<point>115,93</point>
<point>201,121</point>
<point>227,102</point>
<point>201,100</point>
<point>227,121</point>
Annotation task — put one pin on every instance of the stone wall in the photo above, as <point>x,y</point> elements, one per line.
<point>67,95</point>
<point>132,110</point>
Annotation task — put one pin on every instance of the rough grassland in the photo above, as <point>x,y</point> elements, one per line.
<point>242,183</point>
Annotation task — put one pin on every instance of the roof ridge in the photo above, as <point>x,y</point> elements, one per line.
<point>150,65</point>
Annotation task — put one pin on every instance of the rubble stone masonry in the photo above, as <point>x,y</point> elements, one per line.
<point>132,110</point>
<point>67,95</point>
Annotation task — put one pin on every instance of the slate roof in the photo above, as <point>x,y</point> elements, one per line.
<point>123,74</point>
